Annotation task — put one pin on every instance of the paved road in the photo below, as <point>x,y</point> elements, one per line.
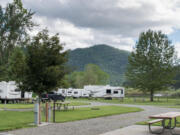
<point>95,126</point>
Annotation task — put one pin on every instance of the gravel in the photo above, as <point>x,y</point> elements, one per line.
<point>95,126</point>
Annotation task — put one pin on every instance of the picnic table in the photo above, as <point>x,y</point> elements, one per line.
<point>166,116</point>
<point>59,105</point>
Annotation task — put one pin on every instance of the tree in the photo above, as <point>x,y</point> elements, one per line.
<point>94,75</point>
<point>151,64</point>
<point>45,62</point>
<point>91,75</point>
<point>17,65</point>
<point>176,85</point>
<point>15,21</point>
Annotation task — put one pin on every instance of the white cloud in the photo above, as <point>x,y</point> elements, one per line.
<point>82,23</point>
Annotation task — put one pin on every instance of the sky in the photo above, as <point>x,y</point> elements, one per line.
<point>118,23</point>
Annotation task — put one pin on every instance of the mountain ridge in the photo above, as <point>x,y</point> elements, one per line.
<point>110,59</point>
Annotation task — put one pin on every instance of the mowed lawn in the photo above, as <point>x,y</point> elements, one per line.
<point>86,113</point>
<point>164,102</point>
<point>12,120</point>
<point>29,106</point>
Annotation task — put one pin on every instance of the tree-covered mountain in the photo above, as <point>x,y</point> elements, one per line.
<point>111,60</point>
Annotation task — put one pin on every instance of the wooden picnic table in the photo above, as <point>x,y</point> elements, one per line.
<point>167,116</point>
<point>62,104</point>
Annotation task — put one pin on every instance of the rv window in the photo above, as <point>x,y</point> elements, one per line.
<point>121,91</point>
<point>17,90</point>
<point>116,92</point>
<point>108,91</point>
<point>69,92</point>
<point>1,91</point>
<point>75,92</point>
<point>63,91</point>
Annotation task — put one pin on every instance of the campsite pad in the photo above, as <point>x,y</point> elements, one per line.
<point>137,130</point>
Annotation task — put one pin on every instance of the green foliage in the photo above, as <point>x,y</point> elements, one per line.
<point>151,64</point>
<point>110,60</point>
<point>176,85</point>
<point>45,64</point>
<point>15,21</point>
<point>17,64</point>
<point>91,75</point>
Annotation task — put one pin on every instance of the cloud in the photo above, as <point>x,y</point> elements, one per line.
<point>82,23</point>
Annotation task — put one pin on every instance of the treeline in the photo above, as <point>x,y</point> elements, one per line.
<point>92,75</point>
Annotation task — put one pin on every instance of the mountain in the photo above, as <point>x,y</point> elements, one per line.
<point>111,60</point>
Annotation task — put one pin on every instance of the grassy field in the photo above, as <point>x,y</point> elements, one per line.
<point>13,120</point>
<point>28,106</point>
<point>171,102</point>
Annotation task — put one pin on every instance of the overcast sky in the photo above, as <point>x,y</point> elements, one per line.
<point>83,23</point>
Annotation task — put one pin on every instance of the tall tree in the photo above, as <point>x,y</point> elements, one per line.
<point>17,65</point>
<point>91,75</point>
<point>151,64</point>
<point>45,62</point>
<point>15,21</point>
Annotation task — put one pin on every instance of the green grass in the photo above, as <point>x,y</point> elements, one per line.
<point>28,106</point>
<point>10,120</point>
<point>13,120</point>
<point>171,102</point>
<point>87,113</point>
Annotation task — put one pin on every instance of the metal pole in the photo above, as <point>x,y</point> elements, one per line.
<point>46,111</point>
<point>36,112</point>
<point>54,112</point>
<point>49,112</point>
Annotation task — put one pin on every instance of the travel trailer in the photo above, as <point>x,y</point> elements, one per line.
<point>76,93</point>
<point>65,92</point>
<point>10,92</point>
<point>106,91</point>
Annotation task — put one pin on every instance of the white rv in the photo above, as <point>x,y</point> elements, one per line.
<point>77,93</point>
<point>65,92</point>
<point>105,91</point>
<point>9,91</point>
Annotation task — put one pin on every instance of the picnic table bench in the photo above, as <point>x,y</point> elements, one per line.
<point>162,118</point>
<point>59,105</point>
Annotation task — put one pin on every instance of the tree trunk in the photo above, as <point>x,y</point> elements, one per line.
<point>151,96</point>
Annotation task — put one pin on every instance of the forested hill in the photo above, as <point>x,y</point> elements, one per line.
<point>111,60</point>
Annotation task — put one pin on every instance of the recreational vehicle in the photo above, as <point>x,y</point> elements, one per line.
<point>105,91</point>
<point>10,92</point>
<point>65,92</point>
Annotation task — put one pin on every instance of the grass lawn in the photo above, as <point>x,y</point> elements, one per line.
<point>86,113</point>
<point>28,106</point>
<point>12,120</point>
<point>174,103</point>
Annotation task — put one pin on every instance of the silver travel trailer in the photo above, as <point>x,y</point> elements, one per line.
<point>106,91</point>
<point>10,92</point>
